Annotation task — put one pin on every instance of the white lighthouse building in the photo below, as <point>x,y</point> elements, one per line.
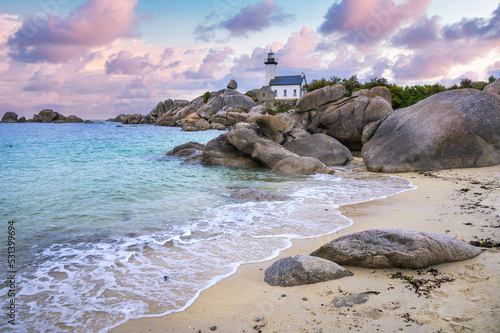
<point>284,87</point>
<point>271,64</point>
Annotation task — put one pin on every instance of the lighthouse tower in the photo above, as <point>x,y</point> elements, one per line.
<point>270,67</point>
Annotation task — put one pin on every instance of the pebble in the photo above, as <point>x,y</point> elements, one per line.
<point>213,328</point>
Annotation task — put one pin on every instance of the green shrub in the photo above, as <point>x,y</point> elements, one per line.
<point>206,96</point>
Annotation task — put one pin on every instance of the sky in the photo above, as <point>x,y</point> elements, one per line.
<point>100,58</point>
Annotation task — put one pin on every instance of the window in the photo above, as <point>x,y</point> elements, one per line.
<point>276,92</point>
<point>294,92</point>
<point>284,93</point>
<point>263,95</point>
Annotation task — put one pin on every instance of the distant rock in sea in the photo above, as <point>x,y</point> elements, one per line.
<point>44,116</point>
<point>9,117</point>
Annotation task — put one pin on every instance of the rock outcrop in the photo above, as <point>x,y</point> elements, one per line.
<point>186,149</point>
<point>345,119</point>
<point>50,116</point>
<point>298,165</point>
<point>10,117</point>
<point>263,150</point>
<point>220,110</point>
<point>219,152</point>
<point>232,84</point>
<point>44,116</point>
<point>452,129</point>
<point>258,195</point>
<point>223,108</point>
<point>299,270</point>
<point>383,92</point>
<point>320,97</point>
<point>389,248</point>
<point>493,88</point>
<point>323,147</point>
<point>271,127</point>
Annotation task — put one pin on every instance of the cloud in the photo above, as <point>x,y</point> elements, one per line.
<point>212,63</point>
<point>442,48</point>
<point>251,18</point>
<point>494,69</point>
<point>54,39</point>
<point>255,18</point>
<point>364,22</point>
<point>124,63</point>
<point>422,33</point>
<point>299,51</point>
<point>475,27</point>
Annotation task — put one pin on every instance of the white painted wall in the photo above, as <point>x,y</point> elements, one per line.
<point>287,91</point>
<point>270,73</point>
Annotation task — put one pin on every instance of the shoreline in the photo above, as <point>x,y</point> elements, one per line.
<point>463,203</point>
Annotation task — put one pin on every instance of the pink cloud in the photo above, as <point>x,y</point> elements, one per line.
<point>365,22</point>
<point>125,63</point>
<point>298,52</point>
<point>255,18</point>
<point>212,63</point>
<point>251,18</point>
<point>55,39</point>
<point>446,47</point>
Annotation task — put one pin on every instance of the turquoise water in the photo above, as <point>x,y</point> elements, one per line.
<point>109,228</point>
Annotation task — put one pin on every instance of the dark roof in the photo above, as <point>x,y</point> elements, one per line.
<point>286,80</point>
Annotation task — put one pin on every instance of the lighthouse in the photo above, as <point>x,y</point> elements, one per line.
<point>270,67</point>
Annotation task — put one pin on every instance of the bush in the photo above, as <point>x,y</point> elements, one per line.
<point>206,96</point>
<point>401,97</point>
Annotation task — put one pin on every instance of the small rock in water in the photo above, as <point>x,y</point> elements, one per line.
<point>166,277</point>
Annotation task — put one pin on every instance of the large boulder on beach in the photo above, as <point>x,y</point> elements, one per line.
<point>323,147</point>
<point>9,117</point>
<point>298,165</point>
<point>299,270</point>
<point>452,129</point>
<point>258,195</point>
<point>389,248</point>
<point>219,152</point>
<point>317,98</point>
<point>265,151</point>
<point>345,119</point>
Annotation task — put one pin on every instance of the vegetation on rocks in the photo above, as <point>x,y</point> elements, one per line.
<point>206,96</point>
<point>401,96</point>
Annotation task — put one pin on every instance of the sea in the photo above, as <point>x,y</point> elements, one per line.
<point>98,225</point>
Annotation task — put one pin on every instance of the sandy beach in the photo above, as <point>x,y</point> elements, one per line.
<point>458,297</point>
